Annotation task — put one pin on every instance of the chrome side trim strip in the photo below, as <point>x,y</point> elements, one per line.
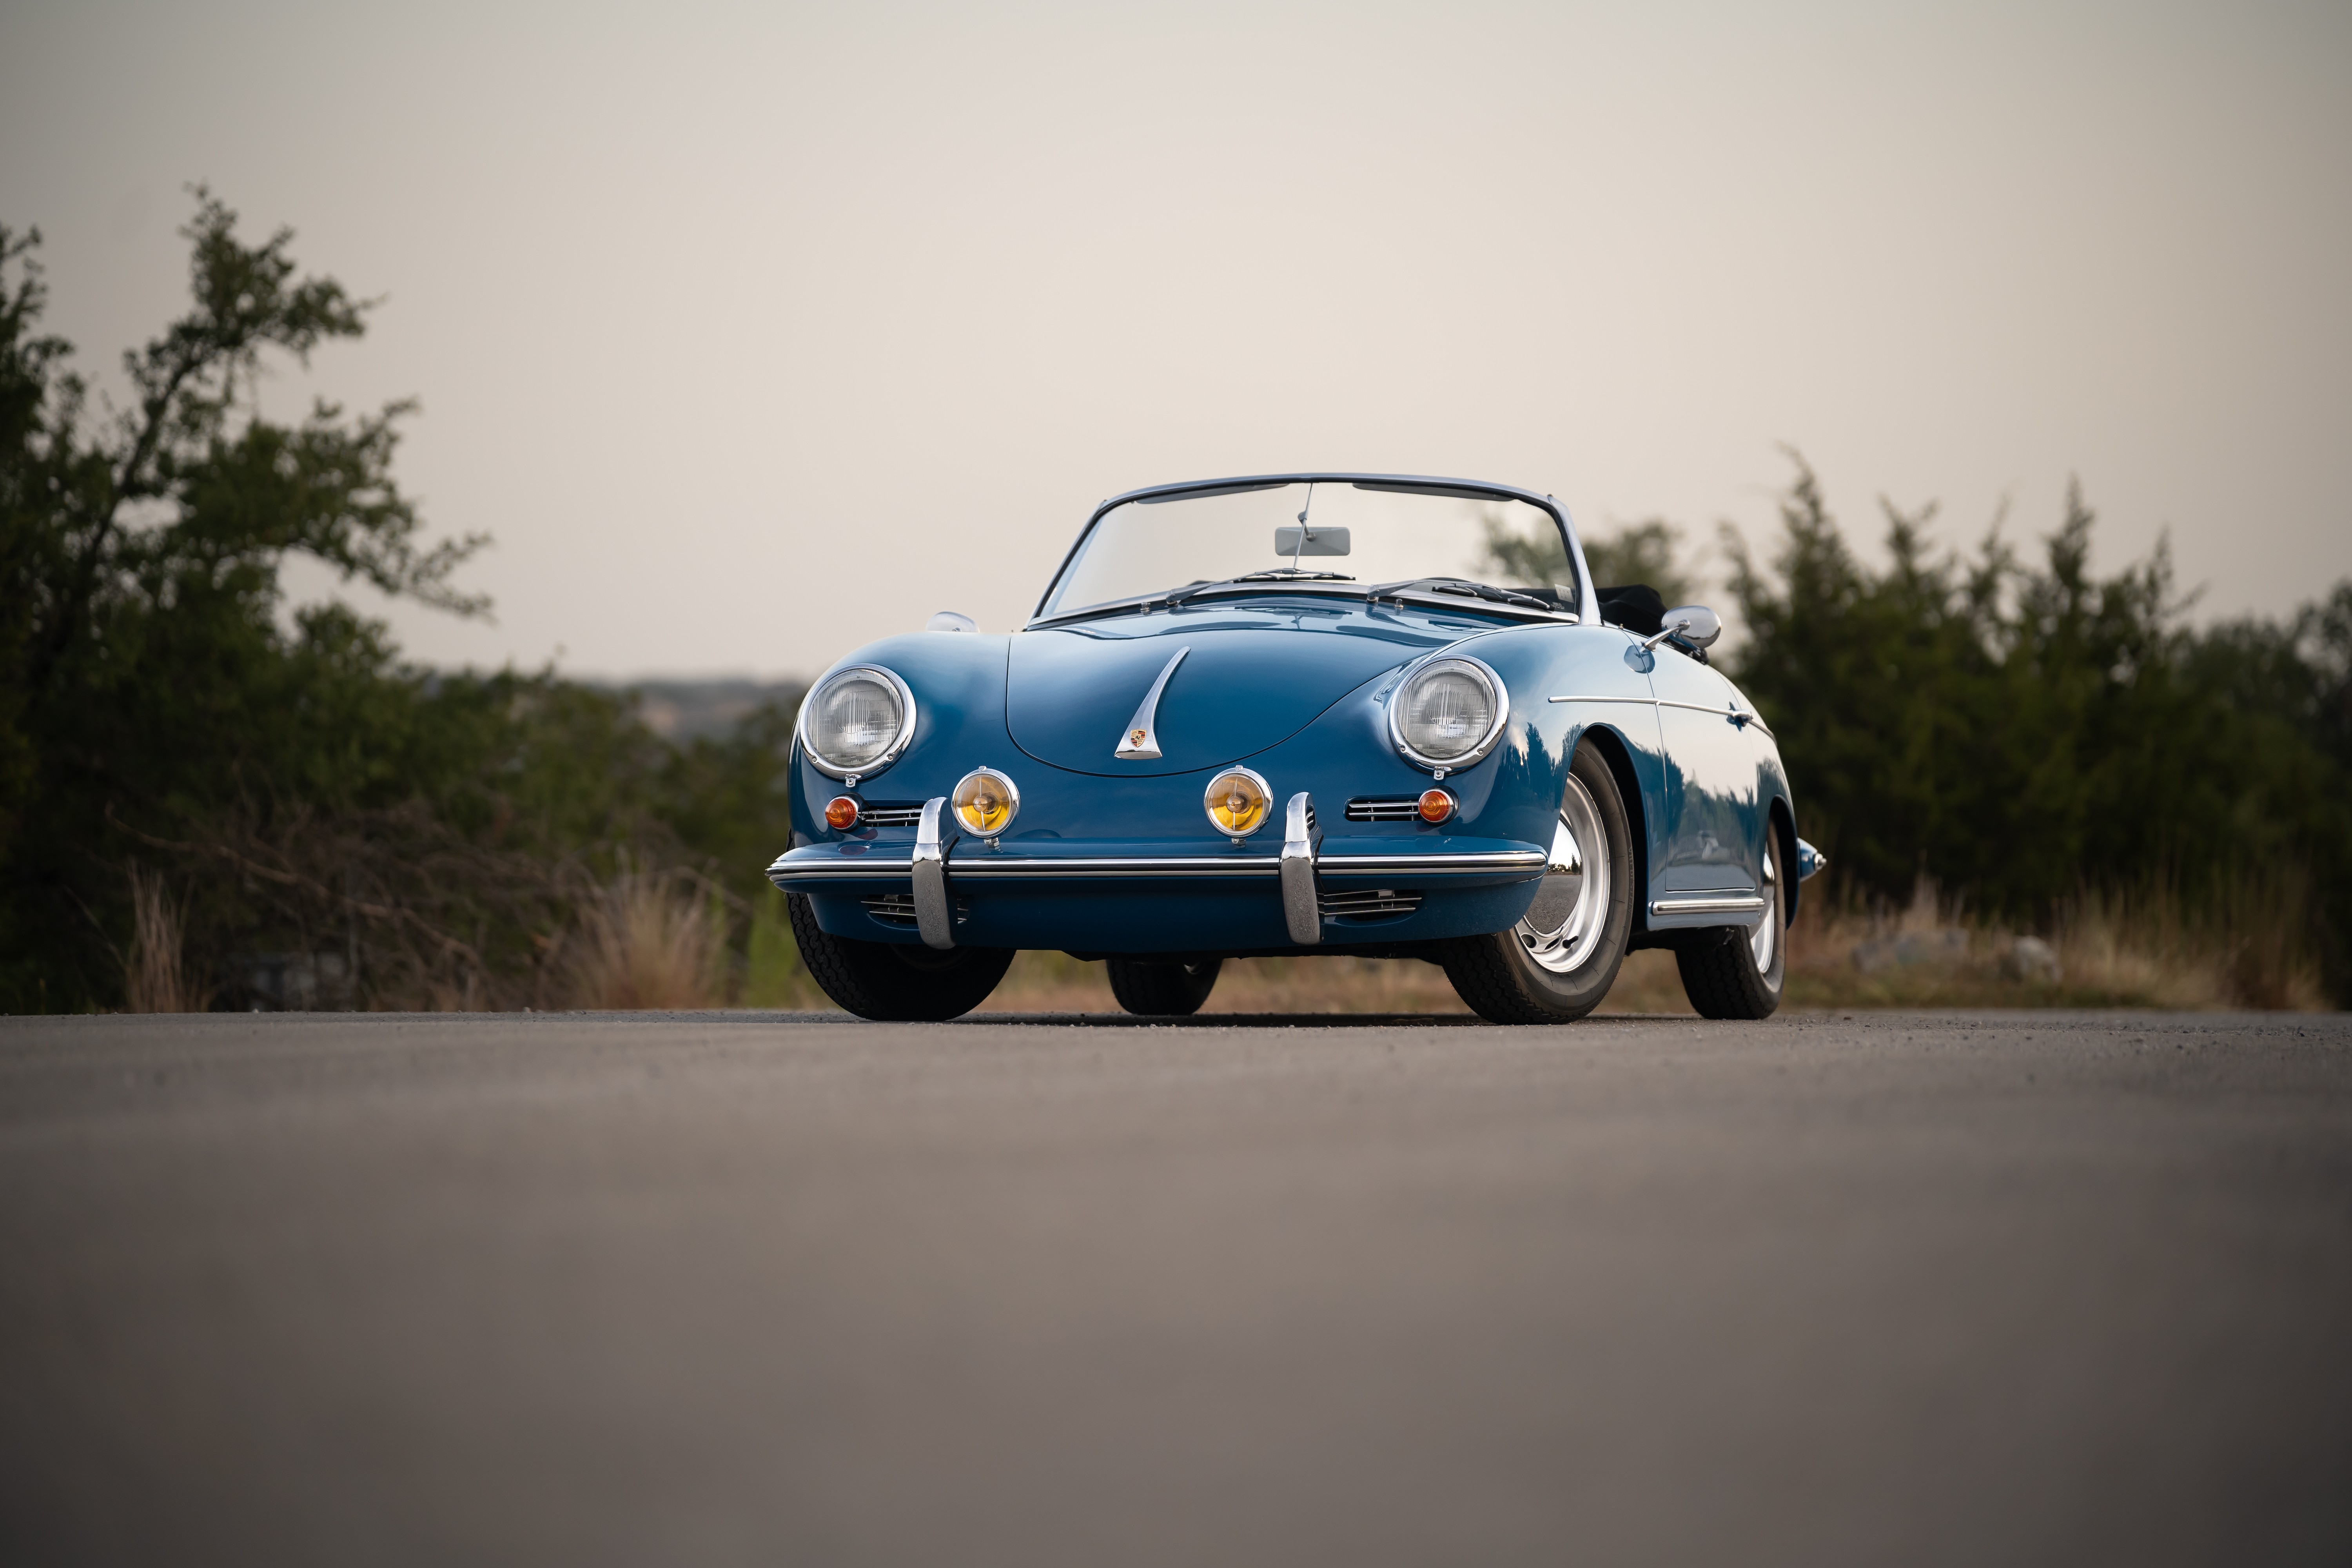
<point>1739,716</point>
<point>1141,739</point>
<point>1710,904</point>
<point>1301,911</point>
<point>934,914</point>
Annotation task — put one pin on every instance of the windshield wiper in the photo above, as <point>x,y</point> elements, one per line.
<point>1291,574</point>
<point>1279,574</point>
<point>1462,587</point>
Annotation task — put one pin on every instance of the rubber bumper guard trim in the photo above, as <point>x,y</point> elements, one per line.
<point>934,910</point>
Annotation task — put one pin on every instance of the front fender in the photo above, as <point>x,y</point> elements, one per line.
<point>958,679</point>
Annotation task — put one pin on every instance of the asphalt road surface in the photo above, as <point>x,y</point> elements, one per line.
<point>740,1287</point>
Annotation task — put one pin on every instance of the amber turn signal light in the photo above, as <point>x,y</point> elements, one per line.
<point>1436,805</point>
<point>841,814</point>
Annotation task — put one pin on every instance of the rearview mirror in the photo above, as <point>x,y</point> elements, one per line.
<point>1318,542</point>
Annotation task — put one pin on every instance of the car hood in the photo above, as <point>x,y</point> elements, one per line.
<point>1254,674</point>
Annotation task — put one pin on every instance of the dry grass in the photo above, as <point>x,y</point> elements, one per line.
<point>1333,985</point>
<point>649,940</point>
<point>430,919</point>
<point>1648,983</point>
<point>2245,949</point>
<point>155,975</point>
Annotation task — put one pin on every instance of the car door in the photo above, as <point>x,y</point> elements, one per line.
<point>1712,837</point>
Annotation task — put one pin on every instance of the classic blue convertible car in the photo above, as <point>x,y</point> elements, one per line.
<point>1298,713</point>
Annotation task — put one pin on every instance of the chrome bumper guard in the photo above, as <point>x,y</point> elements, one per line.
<point>1300,843</point>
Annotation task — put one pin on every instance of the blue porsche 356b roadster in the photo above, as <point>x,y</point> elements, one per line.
<point>1292,714</point>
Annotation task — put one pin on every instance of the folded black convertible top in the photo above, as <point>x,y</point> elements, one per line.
<point>1636,606</point>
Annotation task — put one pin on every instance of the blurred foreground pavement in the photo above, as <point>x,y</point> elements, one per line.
<point>758,1289</point>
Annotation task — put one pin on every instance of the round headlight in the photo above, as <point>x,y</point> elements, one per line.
<point>858,721</point>
<point>985,802</point>
<point>1449,712</point>
<point>1236,801</point>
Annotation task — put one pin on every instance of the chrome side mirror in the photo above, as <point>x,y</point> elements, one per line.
<point>1692,623</point>
<point>949,621</point>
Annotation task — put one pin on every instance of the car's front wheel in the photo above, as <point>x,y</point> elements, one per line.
<point>892,981</point>
<point>1560,961</point>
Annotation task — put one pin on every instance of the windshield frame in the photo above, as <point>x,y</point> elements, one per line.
<point>1411,484</point>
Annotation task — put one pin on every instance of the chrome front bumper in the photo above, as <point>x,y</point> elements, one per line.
<point>937,863</point>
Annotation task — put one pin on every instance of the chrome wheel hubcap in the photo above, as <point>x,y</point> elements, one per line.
<point>1768,927</point>
<point>1571,909</point>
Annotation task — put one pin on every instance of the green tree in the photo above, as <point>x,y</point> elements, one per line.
<point>306,789</point>
<point>1646,551</point>
<point>729,800</point>
<point>1533,559</point>
<point>146,679</point>
<point>2024,730</point>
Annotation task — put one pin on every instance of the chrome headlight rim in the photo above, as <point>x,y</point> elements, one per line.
<point>899,743</point>
<point>1265,790</point>
<point>1011,796</point>
<point>1476,754</point>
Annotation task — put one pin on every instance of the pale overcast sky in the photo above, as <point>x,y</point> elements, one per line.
<point>754,334</point>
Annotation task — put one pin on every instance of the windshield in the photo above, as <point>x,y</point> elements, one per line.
<point>1350,534</point>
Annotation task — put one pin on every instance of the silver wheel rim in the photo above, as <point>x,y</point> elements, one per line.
<point>1571,909</point>
<point>1760,941</point>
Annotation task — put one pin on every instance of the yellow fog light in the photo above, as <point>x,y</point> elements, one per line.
<point>1237,801</point>
<point>985,802</point>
